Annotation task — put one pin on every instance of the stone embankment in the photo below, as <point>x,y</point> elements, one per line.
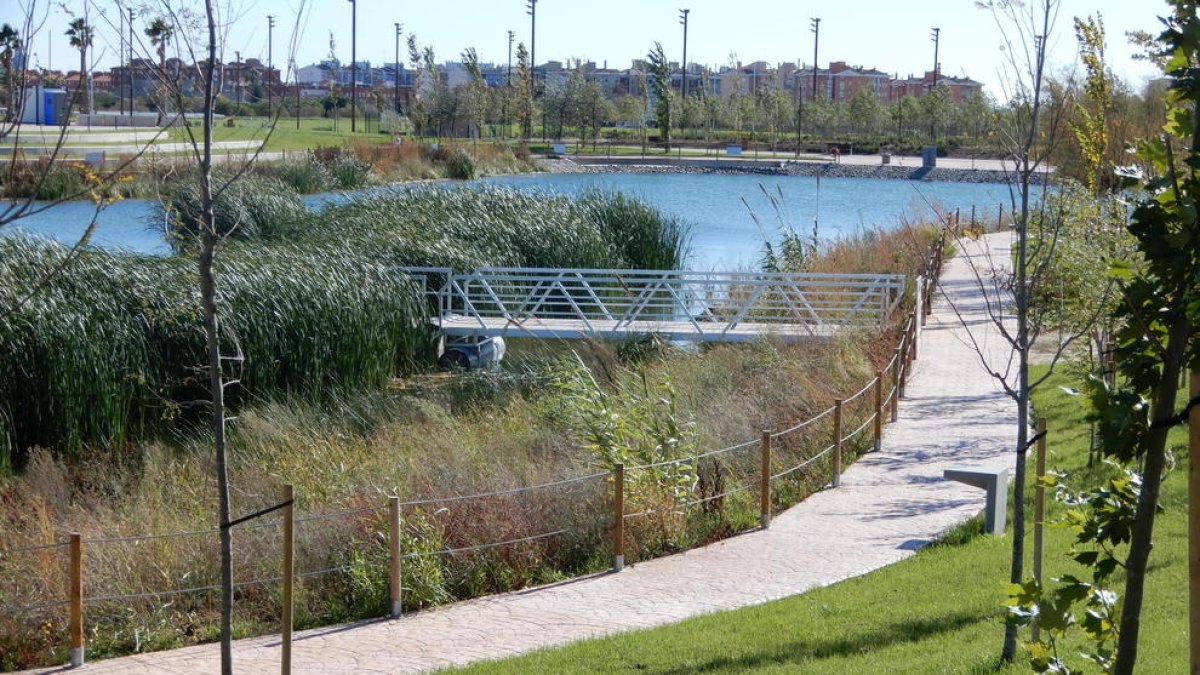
<point>780,168</point>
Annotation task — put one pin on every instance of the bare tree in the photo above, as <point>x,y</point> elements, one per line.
<point>1031,126</point>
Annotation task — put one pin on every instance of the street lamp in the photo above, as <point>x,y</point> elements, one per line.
<point>532,12</point>
<point>238,56</point>
<point>816,29</point>
<point>396,71</point>
<point>353,64</point>
<point>934,35</point>
<point>683,19</point>
<point>508,78</point>
<point>131,63</point>
<point>270,60</point>
<point>296,81</point>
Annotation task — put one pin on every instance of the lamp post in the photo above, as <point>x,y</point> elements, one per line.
<point>120,57</point>
<point>935,35</point>
<point>816,30</point>
<point>296,81</point>
<point>396,71</point>
<point>238,56</point>
<point>683,20</point>
<point>131,63</point>
<point>270,60</point>
<point>532,12</point>
<point>508,78</point>
<point>353,65</point>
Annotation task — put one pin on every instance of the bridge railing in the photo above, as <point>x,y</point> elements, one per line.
<point>629,299</point>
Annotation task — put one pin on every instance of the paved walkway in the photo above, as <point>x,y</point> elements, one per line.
<point>890,503</point>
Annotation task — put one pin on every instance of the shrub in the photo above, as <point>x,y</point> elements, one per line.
<point>246,206</point>
<point>461,166</point>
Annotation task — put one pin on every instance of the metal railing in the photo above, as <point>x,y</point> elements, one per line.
<point>705,306</point>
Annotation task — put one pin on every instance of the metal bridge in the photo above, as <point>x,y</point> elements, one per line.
<point>678,305</point>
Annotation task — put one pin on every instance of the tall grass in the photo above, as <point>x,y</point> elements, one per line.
<point>111,346</point>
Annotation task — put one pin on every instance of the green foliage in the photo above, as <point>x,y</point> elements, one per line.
<point>109,349</point>
<point>1091,129</point>
<point>243,206</point>
<point>462,166</point>
<point>660,82</point>
<point>1157,327</point>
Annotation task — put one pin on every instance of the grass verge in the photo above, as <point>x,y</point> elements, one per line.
<point>937,612</point>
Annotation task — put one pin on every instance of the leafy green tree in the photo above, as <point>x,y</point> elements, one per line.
<point>660,81</point>
<point>476,93</point>
<point>10,41</point>
<point>80,32</point>
<point>865,111</point>
<point>935,107</point>
<point>524,94</point>
<point>161,32</point>
<point>1091,127</point>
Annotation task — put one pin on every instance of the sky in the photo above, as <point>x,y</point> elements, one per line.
<point>888,35</point>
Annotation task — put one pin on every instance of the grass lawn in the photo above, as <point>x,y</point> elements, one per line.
<point>937,612</point>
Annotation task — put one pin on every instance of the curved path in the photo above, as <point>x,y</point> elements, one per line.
<point>889,504</point>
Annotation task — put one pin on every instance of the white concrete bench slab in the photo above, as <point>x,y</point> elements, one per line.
<point>995,481</point>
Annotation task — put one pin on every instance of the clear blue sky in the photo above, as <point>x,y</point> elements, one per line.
<point>889,35</point>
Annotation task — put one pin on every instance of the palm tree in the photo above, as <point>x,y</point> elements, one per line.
<point>80,33</point>
<point>160,31</point>
<point>10,41</point>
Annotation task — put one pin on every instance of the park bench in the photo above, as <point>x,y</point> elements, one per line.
<point>995,481</point>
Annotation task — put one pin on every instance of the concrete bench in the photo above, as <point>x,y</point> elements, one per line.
<point>995,481</point>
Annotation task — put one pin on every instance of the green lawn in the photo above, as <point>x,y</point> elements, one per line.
<point>937,612</point>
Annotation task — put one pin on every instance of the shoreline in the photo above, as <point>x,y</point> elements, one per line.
<point>781,168</point>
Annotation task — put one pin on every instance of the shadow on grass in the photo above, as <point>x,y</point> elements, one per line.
<point>801,650</point>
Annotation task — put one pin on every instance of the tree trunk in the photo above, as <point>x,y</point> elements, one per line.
<point>1141,539</point>
<point>83,79</point>
<point>208,299</point>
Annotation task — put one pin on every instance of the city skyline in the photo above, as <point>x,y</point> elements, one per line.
<point>870,33</point>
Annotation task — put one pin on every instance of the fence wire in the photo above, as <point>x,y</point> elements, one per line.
<point>803,464</point>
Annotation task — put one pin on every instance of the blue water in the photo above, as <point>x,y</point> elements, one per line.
<point>724,234</point>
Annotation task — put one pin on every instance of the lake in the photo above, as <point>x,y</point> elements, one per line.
<point>724,234</point>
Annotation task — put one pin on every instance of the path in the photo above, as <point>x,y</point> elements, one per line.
<point>890,503</point>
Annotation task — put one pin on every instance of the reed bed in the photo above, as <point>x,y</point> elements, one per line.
<point>111,347</point>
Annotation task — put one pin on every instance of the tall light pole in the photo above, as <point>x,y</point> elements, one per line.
<point>131,62</point>
<point>238,56</point>
<point>508,78</point>
<point>683,19</point>
<point>532,12</point>
<point>396,70</point>
<point>816,30</point>
<point>120,57</point>
<point>296,81</point>
<point>353,65</point>
<point>270,60</point>
<point>935,35</point>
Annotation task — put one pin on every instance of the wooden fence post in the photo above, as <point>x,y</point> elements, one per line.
<point>903,371</point>
<point>764,484</point>
<point>288,573</point>
<point>878,410</point>
<point>1039,509</point>
<point>75,617</point>
<point>394,556</point>
<point>618,517</point>
<point>895,402</point>
<point>837,442</point>
<point>918,313</point>
<point>1194,524</point>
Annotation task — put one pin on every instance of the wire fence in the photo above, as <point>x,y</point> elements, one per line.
<point>857,408</point>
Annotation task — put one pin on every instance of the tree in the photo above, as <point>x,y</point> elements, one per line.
<point>477,92</point>
<point>10,41</point>
<point>80,33</point>
<point>416,100</point>
<point>524,93</point>
<point>660,81</point>
<point>865,110</point>
<point>160,31</point>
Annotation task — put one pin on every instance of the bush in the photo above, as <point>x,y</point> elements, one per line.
<point>306,176</point>
<point>461,166</point>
